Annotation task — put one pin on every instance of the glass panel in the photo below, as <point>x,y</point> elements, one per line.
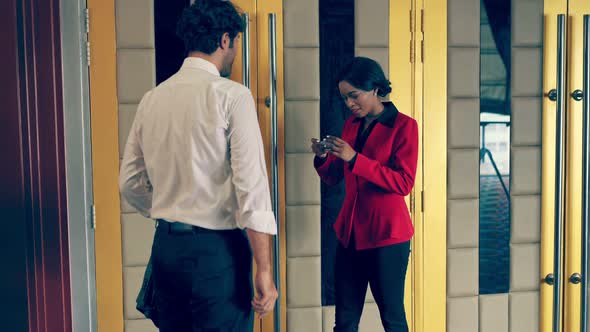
<point>170,51</point>
<point>337,49</point>
<point>494,171</point>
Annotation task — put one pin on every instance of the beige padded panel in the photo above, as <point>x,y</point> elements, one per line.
<point>463,272</point>
<point>328,318</point>
<point>304,282</point>
<point>463,223</point>
<point>135,23</point>
<point>526,170</point>
<point>301,25</point>
<point>370,319</point>
<point>493,313</point>
<point>463,173</point>
<point>526,219</point>
<point>304,319</point>
<point>302,73</point>
<point>524,312</point>
<point>302,123</point>
<point>462,314</point>
<point>303,231</point>
<point>526,120</point>
<point>462,115</point>
<point>136,74</point>
<point>463,29</point>
<point>132,280</point>
<point>527,66</point>
<point>524,267</point>
<point>463,72</point>
<point>138,236</point>
<point>303,183</point>
<point>371,23</point>
<point>527,23</point>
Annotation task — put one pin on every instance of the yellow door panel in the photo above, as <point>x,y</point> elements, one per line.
<point>431,291</point>
<point>552,9</point>
<point>258,12</point>
<point>105,168</point>
<point>573,225</point>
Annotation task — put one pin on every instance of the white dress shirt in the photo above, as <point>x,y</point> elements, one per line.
<point>195,155</point>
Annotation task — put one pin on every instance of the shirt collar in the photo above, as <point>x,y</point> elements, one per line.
<point>388,117</point>
<point>200,63</point>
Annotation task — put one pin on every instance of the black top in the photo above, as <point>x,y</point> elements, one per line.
<point>386,119</point>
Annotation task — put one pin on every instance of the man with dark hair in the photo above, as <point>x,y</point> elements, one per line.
<point>194,161</point>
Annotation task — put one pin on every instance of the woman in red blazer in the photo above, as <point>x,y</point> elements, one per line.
<point>376,157</point>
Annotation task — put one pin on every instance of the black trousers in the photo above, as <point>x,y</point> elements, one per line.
<point>202,280</point>
<point>384,269</point>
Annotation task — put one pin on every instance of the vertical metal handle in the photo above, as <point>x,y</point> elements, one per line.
<point>272,32</point>
<point>585,174</point>
<point>559,171</point>
<point>246,51</point>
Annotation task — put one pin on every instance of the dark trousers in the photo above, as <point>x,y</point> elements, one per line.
<point>202,280</point>
<point>384,269</point>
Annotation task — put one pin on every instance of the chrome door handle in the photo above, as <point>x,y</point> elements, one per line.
<point>577,95</point>
<point>274,116</point>
<point>549,279</point>
<point>585,176</point>
<point>246,51</point>
<point>559,168</point>
<point>575,278</point>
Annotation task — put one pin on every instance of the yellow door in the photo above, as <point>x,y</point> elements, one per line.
<point>260,62</point>
<point>406,63</point>
<point>418,73</point>
<point>561,268</point>
<point>573,193</point>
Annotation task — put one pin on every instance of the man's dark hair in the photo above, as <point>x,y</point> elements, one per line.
<point>366,74</point>
<point>204,22</point>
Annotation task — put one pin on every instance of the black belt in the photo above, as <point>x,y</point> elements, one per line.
<point>178,227</point>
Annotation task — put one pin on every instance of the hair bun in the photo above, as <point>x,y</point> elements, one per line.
<point>383,88</point>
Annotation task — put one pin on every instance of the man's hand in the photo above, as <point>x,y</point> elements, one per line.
<point>266,293</point>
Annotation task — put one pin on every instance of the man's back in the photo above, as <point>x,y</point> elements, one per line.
<point>185,128</point>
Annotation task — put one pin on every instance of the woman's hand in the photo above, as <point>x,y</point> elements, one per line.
<point>317,148</point>
<point>341,149</point>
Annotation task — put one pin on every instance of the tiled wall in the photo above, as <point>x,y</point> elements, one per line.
<point>302,121</point>
<point>518,311</point>
<point>371,34</point>
<point>136,74</point>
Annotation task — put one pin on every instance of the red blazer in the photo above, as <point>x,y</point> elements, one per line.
<point>381,176</point>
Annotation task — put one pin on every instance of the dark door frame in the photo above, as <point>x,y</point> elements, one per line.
<point>33,175</point>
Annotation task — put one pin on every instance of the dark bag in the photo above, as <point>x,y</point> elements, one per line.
<point>146,299</point>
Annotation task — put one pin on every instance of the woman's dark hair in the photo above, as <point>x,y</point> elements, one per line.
<point>203,23</point>
<point>365,74</point>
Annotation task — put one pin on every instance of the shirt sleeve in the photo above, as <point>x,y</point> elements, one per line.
<point>134,182</point>
<point>249,168</point>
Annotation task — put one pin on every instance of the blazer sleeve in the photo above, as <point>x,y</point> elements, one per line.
<point>330,170</point>
<point>399,178</point>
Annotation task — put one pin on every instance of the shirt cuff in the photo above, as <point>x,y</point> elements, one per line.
<point>259,221</point>
<point>318,161</point>
<point>352,162</point>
